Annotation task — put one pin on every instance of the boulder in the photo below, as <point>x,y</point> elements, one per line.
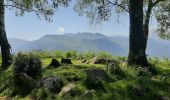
<point>67,89</point>
<point>66,61</point>
<point>89,93</point>
<point>52,83</point>
<point>93,60</point>
<point>138,90</point>
<point>96,74</point>
<point>104,61</point>
<point>87,62</point>
<point>54,63</point>
<point>23,80</point>
<point>101,61</point>
<point>111,65</point>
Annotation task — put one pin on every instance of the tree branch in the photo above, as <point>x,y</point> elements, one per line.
<point>156,2</point>
<point>119,5</point>
<point>29,10</point>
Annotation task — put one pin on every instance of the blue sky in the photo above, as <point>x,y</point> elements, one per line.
<point>64,21</point>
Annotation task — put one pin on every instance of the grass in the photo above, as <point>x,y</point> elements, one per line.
<point>126,85</point>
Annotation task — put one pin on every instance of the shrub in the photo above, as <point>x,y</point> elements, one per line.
<point>105,55</point>
<point>143,72</point>
<point>116,70</point>
<point>153,70</point>
<point>29,64</point>
<point>89,55</point>
<point>71,54</point>
<point>120,58</point>
<point>58,54</point>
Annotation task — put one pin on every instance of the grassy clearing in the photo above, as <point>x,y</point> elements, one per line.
<point>131,83</point>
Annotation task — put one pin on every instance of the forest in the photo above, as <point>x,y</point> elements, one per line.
<point>70,74</point>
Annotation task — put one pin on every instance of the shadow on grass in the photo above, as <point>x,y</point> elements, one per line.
<point>147,89</point>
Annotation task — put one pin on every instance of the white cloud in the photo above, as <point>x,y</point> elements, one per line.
<point>61,29</point>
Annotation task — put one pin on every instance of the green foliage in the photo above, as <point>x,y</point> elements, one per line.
<point>45,8</point>
<point>42,54</point>
<point>29,64</point>
<point>120,59</point>
<point>89,55</point>
<point>70,73</point>
<point>143,72</point>
<point>41,94</point>
<point>162,16</point>
<point>71,54</point>
<point>105,55</point>
<point>116,70</point>
<point>6,82</point>
<point>83,55</point>
<point>78,90</point>
<point>126,82</point>
<point>97,11</point>
<point>98,84</point>
<point>58,54</point>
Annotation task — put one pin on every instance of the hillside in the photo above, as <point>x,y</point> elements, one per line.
<point>84,81</point>
<point>89,42</point>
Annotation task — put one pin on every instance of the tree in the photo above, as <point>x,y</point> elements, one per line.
<point>5,47</point>
<point>42,8</point>
<point>101,10</point>
<point>137,54</point>
<point>163,19</point>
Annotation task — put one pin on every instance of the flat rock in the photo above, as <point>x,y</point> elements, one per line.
<point>66,61</point>
<point>54,63</point>
<point>96,74</point>
<point>52,83</point>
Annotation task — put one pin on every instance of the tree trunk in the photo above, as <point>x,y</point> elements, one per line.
<point>5,47</point>
<point>137,38</point>
<point>147,20</point>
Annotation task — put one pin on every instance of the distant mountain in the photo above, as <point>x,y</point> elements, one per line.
<point>88,42</point>
<point>18,44</point>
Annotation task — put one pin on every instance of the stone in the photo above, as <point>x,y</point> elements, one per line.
<point>52,83</point>
<point>159,97</point>
<point>87,62</point>
<point>125,64</point>
<point>83,61</point>
<point>101,61</point>
<point>93,60</point>
<point>23,80</point>
<point>96,74</point>
<point>54,63</point>
<point>67,89</point>
<point>111,65</point>
<point>89,93</point>
<point>66,61</point>
<point>139,90</point>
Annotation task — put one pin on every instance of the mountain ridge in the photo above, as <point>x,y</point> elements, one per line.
<point>88,42</point>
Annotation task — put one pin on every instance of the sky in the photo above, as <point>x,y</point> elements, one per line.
<point>65,20</point>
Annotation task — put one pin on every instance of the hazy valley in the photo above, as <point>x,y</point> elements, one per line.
<point>89,42</point>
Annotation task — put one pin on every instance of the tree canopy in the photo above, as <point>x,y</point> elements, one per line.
<point>102,10</point>
<point>163,19</point>
<point>42,8</point>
